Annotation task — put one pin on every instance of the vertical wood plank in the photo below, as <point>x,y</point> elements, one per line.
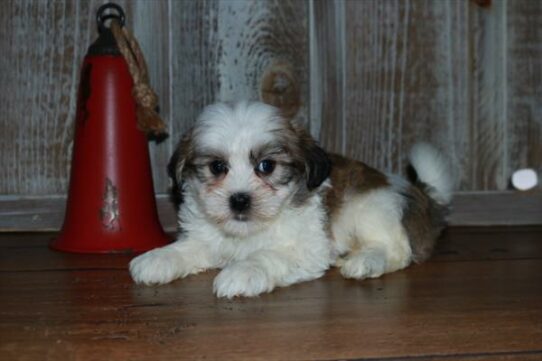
<point>375,62</point>
<point>255,34</point>
<point>46,42</point>
<point>433,71</point>
<point>197,52</point>
<point>43,45</point>
<point>327,61</point>
<point>221,49</point>
<point>488,141</point>
<point>524,78</point>
<point>461,76</point>
<point>193,59</point>
<point>383,75</point>
<point>405,79</point>
<point>151,27</point>
<point>454,52</point>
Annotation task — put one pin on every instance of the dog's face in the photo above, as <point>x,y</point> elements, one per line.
<point>244,164</point>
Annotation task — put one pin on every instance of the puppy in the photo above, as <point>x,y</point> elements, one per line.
<point>264,203</point>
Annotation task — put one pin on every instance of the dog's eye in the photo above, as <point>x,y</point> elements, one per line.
<point>218,167</point>
<point>266,166</point>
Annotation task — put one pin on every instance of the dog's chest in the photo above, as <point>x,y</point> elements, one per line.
<point>295,229</point>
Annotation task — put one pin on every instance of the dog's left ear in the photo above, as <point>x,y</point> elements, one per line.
<point>317,163</point>
<point>318,166</point>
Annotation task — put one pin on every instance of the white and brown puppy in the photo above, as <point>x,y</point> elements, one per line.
<point>265,204</point>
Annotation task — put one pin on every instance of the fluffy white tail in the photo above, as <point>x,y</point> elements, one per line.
<point>433,169</point>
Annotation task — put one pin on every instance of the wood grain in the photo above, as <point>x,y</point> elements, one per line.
<point>43,46</point>
<point>524,92</point>
<point>457,244</point>
<point>220,50</point>
<point>488,122</point>
<point>406,80</point>
<point>449,72</point>
<point>375,77</point>
<point>327,61</point>
<point>461,306</point>
<point>194,57</point>
<point>197,51</point>
<point>151,23</point>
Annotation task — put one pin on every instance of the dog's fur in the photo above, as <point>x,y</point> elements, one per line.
<point>313,210</point>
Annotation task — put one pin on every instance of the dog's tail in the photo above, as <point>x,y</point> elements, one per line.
<point>434,170</point>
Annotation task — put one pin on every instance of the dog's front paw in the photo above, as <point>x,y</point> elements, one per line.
<point>159,266</point>
<point>242,279</point>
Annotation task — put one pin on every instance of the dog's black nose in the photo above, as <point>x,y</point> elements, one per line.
<point>240,202</point>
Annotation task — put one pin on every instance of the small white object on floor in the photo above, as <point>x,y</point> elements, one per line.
<point>524,179</point>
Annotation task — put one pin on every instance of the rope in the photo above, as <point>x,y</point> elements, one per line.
<point>146,99</point>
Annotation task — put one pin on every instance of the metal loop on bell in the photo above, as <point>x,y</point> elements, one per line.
<point>102,17</point>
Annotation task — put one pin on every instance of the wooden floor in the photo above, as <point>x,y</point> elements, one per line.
<point>479,298</point>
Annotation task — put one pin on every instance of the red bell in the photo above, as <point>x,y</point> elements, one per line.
<point>111,205</point>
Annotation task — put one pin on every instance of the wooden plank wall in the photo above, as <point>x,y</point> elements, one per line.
<point>197,52</point>
<point>374,78</point>
<point>463,76</point>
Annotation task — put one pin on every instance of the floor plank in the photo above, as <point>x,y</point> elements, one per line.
<point>479,298</point>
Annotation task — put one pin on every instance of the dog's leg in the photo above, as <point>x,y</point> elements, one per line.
<point>371,233</point>
<point>264,270</point>
<point>377,251</point>
<point>177,260</point>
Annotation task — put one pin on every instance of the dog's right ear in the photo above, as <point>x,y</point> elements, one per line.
<point>176,166</point>
<point>172,165</point>
<point>183,152</point>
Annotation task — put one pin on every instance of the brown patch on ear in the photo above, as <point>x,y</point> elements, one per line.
<point>176,167</point>
<point>350,177</point>
<point>311,158</point>
<point>280,88</point>
<point>318,166</point>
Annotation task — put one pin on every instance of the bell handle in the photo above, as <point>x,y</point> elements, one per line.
<point>102,17</point>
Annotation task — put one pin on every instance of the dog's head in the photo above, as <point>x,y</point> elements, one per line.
<point>243,164</point>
